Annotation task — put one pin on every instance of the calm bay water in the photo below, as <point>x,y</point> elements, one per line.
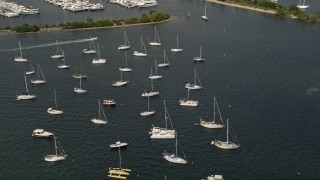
<point>258,64</point>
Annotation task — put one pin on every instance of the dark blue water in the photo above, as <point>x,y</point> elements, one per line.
<point>260,65</point>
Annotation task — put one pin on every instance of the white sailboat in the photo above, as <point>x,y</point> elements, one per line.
<point>55,110</point>
<point>302,4</point>
<point>173,157</point>
<point>155,76</point>
<point>26,96</point>
<point>120,83</point>
<point>148,112</point>
<point>92,49</point>
<point>119,172</point>
<point>30,72</point>
<point>163,132</point>
<point>188,102</point>
<point>199,58</point>
<point>204,17</point>
<point>125,68</point>
<point>79,90</point>
<point>79,76</point>
<point>20,58</point>
<point>63,65</point>
<point>226,144</point>
<point>156,41</point>
<point>165,60</point>
<point>194,86</point>
<point>142,52</point>
<point>100,120</point>
<point>99,60</point>
<point>126,44</point>
<point>150,93</point>
<point>56,157</point>
<point>58,54</point>
<point>39,80</point>
<point>213,124</point>
<point>177,49</point>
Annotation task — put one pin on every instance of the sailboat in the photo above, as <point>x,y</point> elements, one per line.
<point>26,96</point>
<point>120,83</point>
<point>302,5</point>
<point>163,132</point>
<point>155,76</point>
<point>30,72</point>
<point>199,58</point>
<point>64,66</point>
<point>126,44</point>
<point>119,173</point>
<point>165,60</point>
<point>92,49</point>
<point>227,144</point>
<point>143,51</point>
<point>20,58</point>
<point>79,76</point>
<point>194,86</point>
<point>151,92</point>
<point>56,157</point>
<point>100,120</point>
<point>98,60</point>
<point>213,124</point>
<point>204,17</point>
<point>125,68</point>
<point>79,90</point>
<point>188,102</point>
<point>148,112</point>
<point>58,54</point>
<point>156,41</point>
<point>55,110</point>
<point>177,49</point>
<point>39,80</point>
<point>173,157</point>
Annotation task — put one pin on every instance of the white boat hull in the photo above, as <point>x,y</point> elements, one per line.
<point>303,6</point>
<point>190,103</point>
<point>118,145</point>
<point>123,47</point>
<point>150,93</point>
<point>198,59</point>
<point>193,86</point>
<point>163,65</point>
<point>176,50</point>
<point>204,18</point>
<point>57,56</point>
<point>125,69</point>
<point>38,81</point>
<point>54,158</point>
<point>154,44</point>
<point>42,133</point>
<point>119,83</point>
<point>139,54</point>
<point>148,113</point>
<point>63,66</point>
<point>225,145</point>
<point>29,72</point>
<point>99,61</point>
<point>98,121</point>
<point>155,77</point>
<point>20,59</point>
<point>211,124</point>
<point>162,133</point>
<point>79,90</point>
<point>54,111</point>
<point>174,159</point>
<point>89,51</point>
<point>26,97</point>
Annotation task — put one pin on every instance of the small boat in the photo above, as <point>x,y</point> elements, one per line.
<point>226,144</point>
<point>213,124</point>
<point>63,65</point>
<point>147,3</point>
<point>125,68</point>
<point>155,76</point>
<point>39,80</point>
<point>55,110</point>
<point>302,5</point>
<point>156,41</point>
<point>56,157</point>
<point>199,59</point>
<point>118,144</point>
<point>126,44</point>
<point>151,92</point>
<point>120,83</point>
<point>194,86</point>
<point>59,54</point>
<point>165,60</point>
<point>173,157</point>
<point>119,173</point>
<point>188,102</point>
<point>79,76</point>
<point>20,58</point>
<point>100,120</point>
<point>109,102</point>
<point>79,90</point>
<point>204,17</point>
<point>26,96</point>
<point>92,49</point>
<point>177,49</point>
<point>93,38</point>
<point>142,52</point>
<point>148,112</point>
<point>99,60</point>
<point>214,177</point>
<point>42,133</point>
<point>30,72</point>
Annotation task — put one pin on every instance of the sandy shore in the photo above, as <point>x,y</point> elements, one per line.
<point>243,7</point>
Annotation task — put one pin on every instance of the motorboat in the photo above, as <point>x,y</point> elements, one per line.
<point>41,133</point>
<point>118,144</point>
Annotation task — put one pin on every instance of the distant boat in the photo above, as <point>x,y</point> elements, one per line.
<point>156,41</point>
<point>204,17</point>
<point>150,93</point>
<point>155,76</point>
<point>99,60</point>
<point>226,144</point>
<point>163,132</point>
<point>125,68</point>
<point>92,49</point>
<point>56,157</point>
<point>148,112</point>
<point>42,133</point>
<point>126,44</point>
<point>109,102</point>
<point>188,102</point>
<point>63,65</point>
<point>55,109</point>
<point>177,49</point>
<point>41,79</point>
<point>119,172</point>
<point>30,72</point>
<point>79,90</point>
<point>196,80</point>
<point>120,83</point>
<point>214,177</point>
<point>173,157</point>
<point>26,96</point>
<point>59,53</point>
<point>79,76</point>
<point>199,58</point>
<point>213,124</point>
<point>302,4</point>
<point>143,51</point>
<point>118,144</point>
<point>20,58</point>
<point>165,60</point>
<point>147,3</point>
<point>102,117</point>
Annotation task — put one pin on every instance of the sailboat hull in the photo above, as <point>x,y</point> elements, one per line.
<point>193,86</point>
<point>54,158</point>
<point>123,47</point>
<point>38,81</point>
<point>57,56</point>
<point>20,59</point>
<point>98,121</point>
<point>211,124</point>
<point>154,44</point>
<point>148,113</point>
<point>79,90</point>
<point>189,103</point>
<point>163,65</point>
<point>119,83</point>
<point>225,145</point>
<point>176,50</point>
<point>54,111</point>
<point>173,158</point>
<point>26,97</point>
<point>162,133</point>
<point>99,61</point>
<point>150,93</point>
<point>29,72</point>
<point>139,54</point>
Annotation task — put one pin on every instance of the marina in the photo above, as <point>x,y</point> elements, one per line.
<point>12,9</point>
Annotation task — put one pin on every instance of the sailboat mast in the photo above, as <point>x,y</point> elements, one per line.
<point>177,42</point>
<point>176,144</point>
<point>227,131</point>
<point>165,113</point>
<point>155,64</point>
<point>151,85</point>
<point>80,83</point>
<point>125,38</point>
<point>55,98</point>
<point>126,59</point>
<point>121,76</point>
<point>155,33</point>
<point>119,159</point>
<point>188,93</point>
<point>200,51</point>
<point>25,81</point>
<point>55,145</point>
<point>99,107</point>
<point>195,76</point>
<point>141,43</point>
<point>98,51</point>
<point>148,102</point>
<point>57,46</point>
<point>214,109</point>
<point>20,49</point>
